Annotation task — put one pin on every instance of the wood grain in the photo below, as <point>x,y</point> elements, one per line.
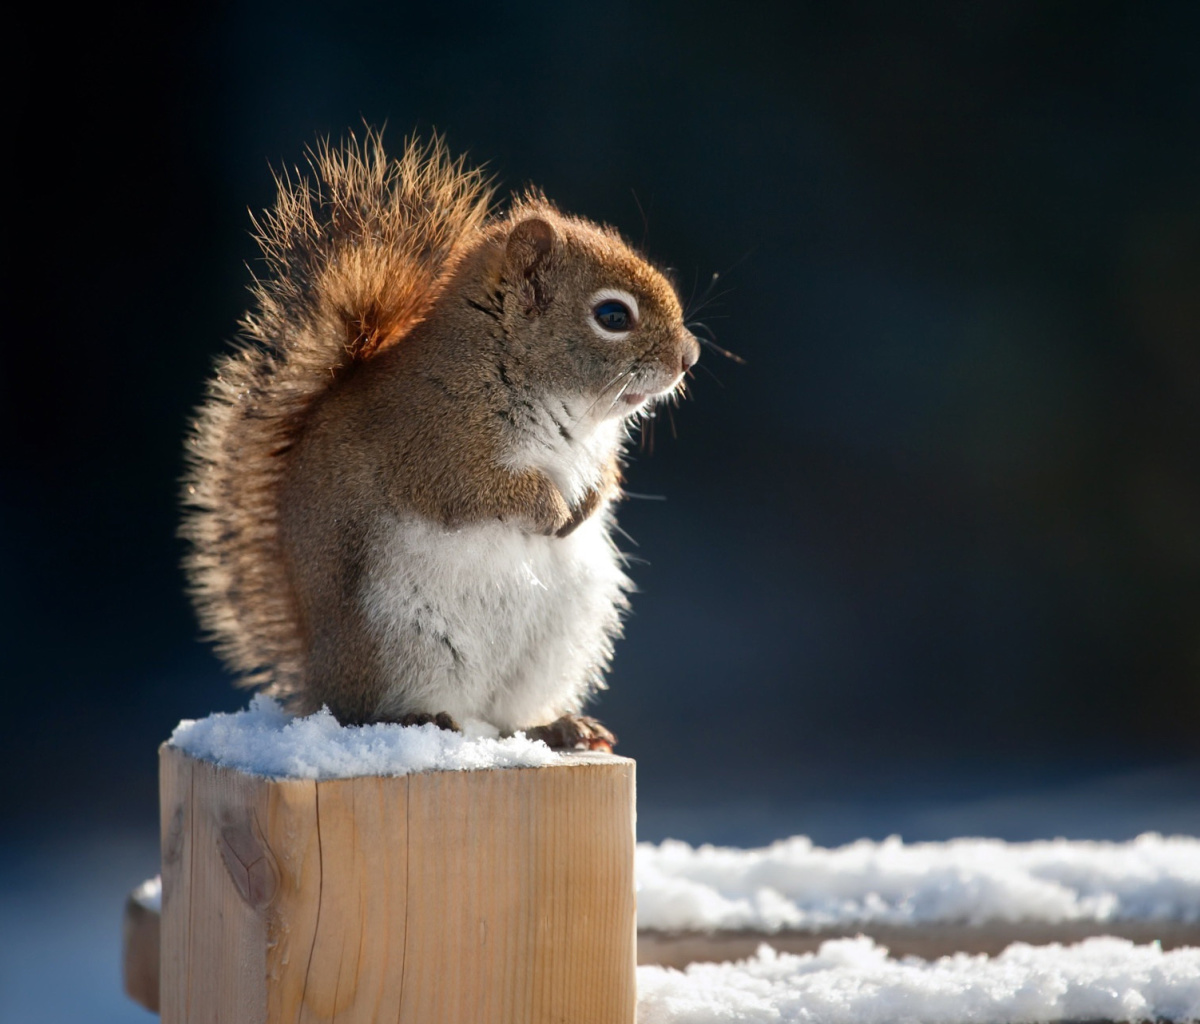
<point>485,896</point>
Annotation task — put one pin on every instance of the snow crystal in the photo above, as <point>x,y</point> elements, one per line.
<point>793,884</point>
<point>265,740</point>
<point>854,981</point>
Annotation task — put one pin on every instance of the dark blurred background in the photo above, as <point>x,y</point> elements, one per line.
<point>929,562</point>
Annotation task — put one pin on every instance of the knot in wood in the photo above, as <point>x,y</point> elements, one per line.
<point>248,861</point>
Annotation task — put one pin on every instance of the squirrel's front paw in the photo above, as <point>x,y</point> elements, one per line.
<point>589,504</point>
<point>574,732</point>
<point>552,516</point>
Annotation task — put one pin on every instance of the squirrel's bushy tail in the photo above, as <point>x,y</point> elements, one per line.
<point>354,258</point>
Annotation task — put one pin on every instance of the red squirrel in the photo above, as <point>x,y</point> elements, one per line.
<point>400,486</point>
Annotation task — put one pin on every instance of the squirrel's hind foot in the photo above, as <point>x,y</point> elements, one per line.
<point>442,720</point>
<point>574,732</point>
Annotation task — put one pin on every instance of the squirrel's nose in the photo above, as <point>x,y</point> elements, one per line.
<point>691,352</point>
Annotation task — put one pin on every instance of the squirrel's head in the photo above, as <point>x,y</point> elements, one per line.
<point>588,319</point>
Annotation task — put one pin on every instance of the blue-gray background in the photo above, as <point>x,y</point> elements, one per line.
<point>929,562</point>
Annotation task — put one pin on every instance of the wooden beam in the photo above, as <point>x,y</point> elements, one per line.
<point>140,941</point>
<point>483,896</point>
<point>927,941</point>
<point>678,949</point>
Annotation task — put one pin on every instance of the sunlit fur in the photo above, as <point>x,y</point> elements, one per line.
<point>353,259</point>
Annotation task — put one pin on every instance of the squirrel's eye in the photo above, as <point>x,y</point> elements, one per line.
<point>613,315</point>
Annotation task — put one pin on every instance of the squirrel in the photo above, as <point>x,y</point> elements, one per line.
<point>400,485</point>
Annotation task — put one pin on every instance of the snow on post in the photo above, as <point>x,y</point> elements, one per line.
<point>465,879</point>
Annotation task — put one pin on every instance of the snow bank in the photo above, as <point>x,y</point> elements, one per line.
<point>265,740</point>
<point>793,884</point>
<point>853,981</point>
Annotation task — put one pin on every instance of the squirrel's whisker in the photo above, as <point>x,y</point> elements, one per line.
<point>702,366</point>
<point>709,343</point>
<point>586,412</point>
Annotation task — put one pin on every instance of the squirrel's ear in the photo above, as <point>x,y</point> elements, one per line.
<point>529,252</point>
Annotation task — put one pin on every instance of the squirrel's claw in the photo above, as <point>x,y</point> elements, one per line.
<point>442,720</point>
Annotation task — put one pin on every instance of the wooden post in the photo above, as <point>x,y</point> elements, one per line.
<point>483,896</point>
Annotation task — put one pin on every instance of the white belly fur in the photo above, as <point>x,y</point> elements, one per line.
<point>490,623</point>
